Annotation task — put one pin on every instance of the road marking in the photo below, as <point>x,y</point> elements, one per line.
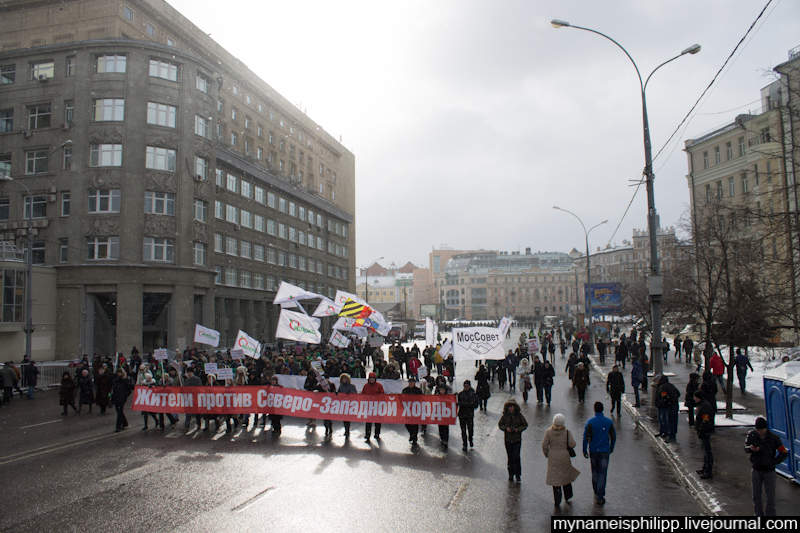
<point>126,473</point>
<point>250,501</point>
<point>43,423</point>
<point>54,448</point>
<point>456,499</point>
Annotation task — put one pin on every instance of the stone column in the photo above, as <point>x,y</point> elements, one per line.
<point>181,326</point>
<point>129,317</point>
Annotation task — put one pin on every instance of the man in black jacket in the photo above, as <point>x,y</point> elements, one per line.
<point>704,424</point>
<point>413,429</point>
<point>615,385</point>
<point>667,396</point>
<point>467,403</point>
<point>766,452</point>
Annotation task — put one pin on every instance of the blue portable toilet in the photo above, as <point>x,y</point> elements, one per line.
<point>792,386</point>
<point>777,415</point>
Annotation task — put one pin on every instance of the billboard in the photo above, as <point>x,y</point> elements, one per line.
<point>428,310</point>
<point>606,298</point>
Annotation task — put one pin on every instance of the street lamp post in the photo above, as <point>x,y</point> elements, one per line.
<point>29,257</point>
<point>588,269</point>
<point>655,282</point>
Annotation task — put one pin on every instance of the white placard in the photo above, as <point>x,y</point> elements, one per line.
<point>224,373</point>
<point>160,354</point>
<point>477,343</point>
<point>205,335</point>
<point>210,368</point>
<point>237,353</point>
<point>422,372</point>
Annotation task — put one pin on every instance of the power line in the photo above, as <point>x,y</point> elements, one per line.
<point>714,79</point>
<point>635,191</point>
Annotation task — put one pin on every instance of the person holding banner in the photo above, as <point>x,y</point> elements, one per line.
<point>467,403</point>
<point>120,389</point>
<point>482,387</point>
<point>442,388</point>
<point>275,420</point>
<point>413,429</point>
<point>345,387</point>
<point>192,380</point>
<point>372,387</point>
<point>149,382</point>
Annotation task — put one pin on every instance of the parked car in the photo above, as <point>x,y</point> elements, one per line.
<point>419,331</point>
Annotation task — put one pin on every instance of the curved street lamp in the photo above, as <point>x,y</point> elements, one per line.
<point>655,281</point>
<point>588,269</point>
<point>366,278</point>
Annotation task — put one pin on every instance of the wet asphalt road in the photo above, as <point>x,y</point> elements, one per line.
<point>77,475</point>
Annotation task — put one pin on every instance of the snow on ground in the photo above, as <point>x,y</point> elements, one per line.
<point>739,419</point>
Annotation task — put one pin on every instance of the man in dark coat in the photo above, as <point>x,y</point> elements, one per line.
<point>548,376</point>
<point>30,376</point>
<point>102,388</point>
<point>742,363</point>
<point>766,452</point>
<point>538,379</point>
<point>413,429</point>
<point>615,385</point>
<point>120,389</point>
<point>667,396</point>
<point>704,424</point>
<point>467,403</point>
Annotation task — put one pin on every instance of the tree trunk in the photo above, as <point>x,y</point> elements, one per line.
<point>729,381</point>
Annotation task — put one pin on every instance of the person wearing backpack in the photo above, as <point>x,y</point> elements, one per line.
<point>667,396</point>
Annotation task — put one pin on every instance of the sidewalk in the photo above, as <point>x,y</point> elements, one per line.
<point>729,491</point>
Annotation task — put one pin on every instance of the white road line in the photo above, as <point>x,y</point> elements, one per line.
<point>454,501</point>
<point>49,449</point>
<point>250,501</point>
<point>43,423</point>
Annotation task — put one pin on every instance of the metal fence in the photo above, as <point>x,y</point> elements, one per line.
<point>50,373</point>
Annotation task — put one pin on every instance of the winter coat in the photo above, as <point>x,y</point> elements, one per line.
<point>615,384</point>
<point>103,385</point>
<point>691,387</point>
<point>120,389</point>
<point>467,403</point>
<point>538,374</point>
<point>513,421</point>
<point>771,451</point>
<point>9,377</point>
<point>85,389</point>
<point>66,393</point>
<point>667,394</point>
<point>30,374</point>
<point>482,387</point>
<point>704,418</point>
<point>717,365</point>
<point>742,363</point>
<point>560,471</point>
<point>372,388</point>
<point>637,374</point>
<point>347,388</point>
<point>581,377</point>
<point>548,375</point>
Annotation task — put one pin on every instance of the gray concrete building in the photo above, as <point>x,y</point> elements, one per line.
<point>190,189</point>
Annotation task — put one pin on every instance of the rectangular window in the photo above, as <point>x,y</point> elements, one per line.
<point>282,259</point>
<point>102,248</point>
<point>220,177</point>
<point>258,223</point>
<point>719,190</point>
<point>127,13</point>
<point>319,220</point>
<point>310,216</point>
<point>301,262</point>
<point>218,243</point>
<point>271,200</point>
<point>731,187</point>
<point>109,109</point>
<point>232,182</point>
<point>35,207</point>
<point>301,237</point>
<point>301,213</point>
<point>111,63</point>
<point>258,281</point>
<point>244,279</point>
<point>218,276</point>
<point>246,218</point>
<point>199,253</point>
<point>63,250</point>
<point>292,209</point>
<point>69,112</point>
<point>258,252</point>
<point>159,203</point>
<point>260,153</point>
<point>259,193</point>
<point>320,244</point>
<point>66,200</point>
<point>158,249</point>
<point>105,155</point>
<point>150,30</point>
<point>69,67</point>
<point>705,159</point>
<point>200,168</point>
<point>764,135</point>
<point>231,214</point>
<point>219,210</point>
<point>247,121</point>
<point>7,120</point>
<point>104,201</point>
<point>161,114</point>
<point>292,234</point>
<point>745,184</point>
<point>202,126</point>
<point>282,205</point>
<point>4,208</point>
<point>292,261</point>
<point>230,277</point>
<point>39,116</point>
<point>160,158</point>
<point>234,113</point>
<point>281,230</point>
<point>270,227</point>
<point>8,74</point>
<point>741,146</point>
<point>244,249</point>
<point>163,69</point>
<point>43,70</point>
<point>38,256</point>
<point>200,210</point>
<point>247,189</point>
<point>170,42</point>
<point>36,161</point>
<point>201,83</point>
<point>231,246</point>
<point>728,151</point>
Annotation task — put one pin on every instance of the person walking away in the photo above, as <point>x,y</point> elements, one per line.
<point>645,367</point>
<point>30,375</point>
<point>442,388</point>
<point>120,390</point>
<point>615,385</point>
<point>372,387</point>
<point>512,423</point>
<point>7,377</point>
<point>551,349</point>
<point>275,420</point>
<point>511,366</point>
<point>742,363</point>
<point>676,342</point>
<point>85,390</point>
<point>467,403</point>
<point>346,387</point>
<point>524,371</point>
<point>766,452</point>
<point>413,429</point>
<point>688,349</point>
<point>572,362</point>
<point>704,424</point>
<point>548,377</point>
<point>482,389</point>
<point>708,389</point>
<point>621,352</point>
<point>599,438</point>
<point>502,374</point>
<point>192,380</point>
<point>558,445</point>
<point>562,346</point>
<point>66,393</point>
<point>601,350</point>
<point>718,369</point>
<point>581,380</point>
<point>637,377</point>
<point>103,384</point>
<point>538,381</point>
<point>691,388</point>
<point>667,397</point>
<point>438,360</point>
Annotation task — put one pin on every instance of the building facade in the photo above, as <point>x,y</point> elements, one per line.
<point>189,190</point>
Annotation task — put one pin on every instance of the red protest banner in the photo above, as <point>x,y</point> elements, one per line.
<point>379,408</point>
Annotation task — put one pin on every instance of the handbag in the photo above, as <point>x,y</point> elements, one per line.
<point>570,450</point>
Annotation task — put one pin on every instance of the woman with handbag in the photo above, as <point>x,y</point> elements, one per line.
<point>558,446</point>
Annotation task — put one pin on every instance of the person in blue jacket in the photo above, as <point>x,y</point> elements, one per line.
<point>599,438</point>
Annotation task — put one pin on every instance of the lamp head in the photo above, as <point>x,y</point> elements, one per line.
<point>558,23</point>
<point>556,207</point>
<point>692,49</point>
<point>605,221</point>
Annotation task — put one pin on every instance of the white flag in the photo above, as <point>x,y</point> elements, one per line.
<point>504,326</point>
<point>445,348</point>
<point>327,308</point>
<point>298,327</point>
<point>289,294</point>
<point>430,332</point>
<point>338,340</point>
<point>346,323</point>
<point>205,335</point>
<point>248,345</point>
<point>477,343</point>
<point>342,296</point>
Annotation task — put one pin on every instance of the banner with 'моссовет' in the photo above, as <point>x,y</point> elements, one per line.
<point>379,408</point>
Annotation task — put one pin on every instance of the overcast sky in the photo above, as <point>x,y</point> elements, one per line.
<point>470,119</point>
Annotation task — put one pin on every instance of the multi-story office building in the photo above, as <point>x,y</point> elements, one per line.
<point>189,190</point>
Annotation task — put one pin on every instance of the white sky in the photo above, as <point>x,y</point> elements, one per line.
<point>470,119</point>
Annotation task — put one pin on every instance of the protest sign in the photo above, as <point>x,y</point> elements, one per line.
<point>205,335</point>
<point>477,343</point>
<point>249,346</point>
<point>210,368</point>
<point>224,373</point>
<point>298,327</point>
<point>159,354</point>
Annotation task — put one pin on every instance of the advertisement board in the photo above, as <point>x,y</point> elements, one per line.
<point>606,298</point>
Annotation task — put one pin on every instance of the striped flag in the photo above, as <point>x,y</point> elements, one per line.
<point>354,309</point>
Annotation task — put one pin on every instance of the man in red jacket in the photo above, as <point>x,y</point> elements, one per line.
<point>718,369</point>
<point>372,387</point>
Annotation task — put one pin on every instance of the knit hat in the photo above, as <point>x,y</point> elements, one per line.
<point>761,423</point>
<point>558,420</point>
<point>371,375</point>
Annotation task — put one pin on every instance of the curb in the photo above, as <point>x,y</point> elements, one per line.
<point>698,490</point>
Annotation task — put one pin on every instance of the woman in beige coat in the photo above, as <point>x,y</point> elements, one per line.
<point>560,472</point>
